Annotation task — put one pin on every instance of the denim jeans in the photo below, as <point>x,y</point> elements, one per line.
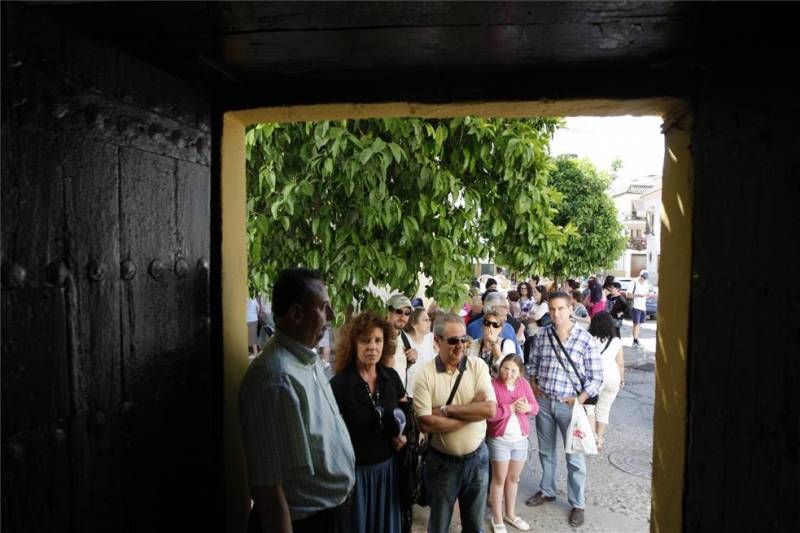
<point>552,414</point>
<point>448,478</point>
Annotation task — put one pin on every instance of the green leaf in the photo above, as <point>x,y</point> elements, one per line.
<point>397,152</point>
<point>365,156</point>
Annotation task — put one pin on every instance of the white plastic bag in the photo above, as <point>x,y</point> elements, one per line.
<point>580,437</point>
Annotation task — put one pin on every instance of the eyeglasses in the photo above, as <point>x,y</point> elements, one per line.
<point>490,324</point>
<point>452,341</point>
<point>401,312</point>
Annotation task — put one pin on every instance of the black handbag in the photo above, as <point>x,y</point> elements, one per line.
<point>589,401</point>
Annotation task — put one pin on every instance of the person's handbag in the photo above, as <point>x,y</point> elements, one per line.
<point>589,401</point>
<point>408,465</point>
<point>580,437</point>
<point>421,493</point>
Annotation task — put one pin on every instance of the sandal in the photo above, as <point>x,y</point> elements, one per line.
<point>600,442</point>
<point>498,528</point>
<point>518,523</point>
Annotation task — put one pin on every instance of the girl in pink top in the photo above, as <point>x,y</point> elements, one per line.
<point>508,433</point>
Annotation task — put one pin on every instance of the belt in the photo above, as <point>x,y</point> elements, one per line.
<point>556,398</point>
<point>456,458</point>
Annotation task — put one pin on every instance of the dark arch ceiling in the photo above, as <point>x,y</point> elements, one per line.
<point>295,51</point>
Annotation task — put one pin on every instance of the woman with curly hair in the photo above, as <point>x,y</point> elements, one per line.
<point>367,392</point>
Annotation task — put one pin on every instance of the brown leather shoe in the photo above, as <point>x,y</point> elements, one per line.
<point>538,499</point>
<point>576,517</point>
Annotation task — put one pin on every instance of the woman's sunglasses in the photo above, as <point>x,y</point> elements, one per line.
<point>490,324</point>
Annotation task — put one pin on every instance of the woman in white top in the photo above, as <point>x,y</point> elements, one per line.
<point>419,335</point>
<point>491,347</point>
<point>610,347</point>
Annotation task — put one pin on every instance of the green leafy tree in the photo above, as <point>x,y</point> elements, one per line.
<point>383,199</point>
<point>598,239</point>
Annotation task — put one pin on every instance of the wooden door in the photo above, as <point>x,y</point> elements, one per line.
<point>108,399</point>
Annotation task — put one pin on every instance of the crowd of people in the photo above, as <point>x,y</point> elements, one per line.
<point>425,406</point>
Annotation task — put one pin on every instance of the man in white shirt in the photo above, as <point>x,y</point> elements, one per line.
<point>398,310</point>
<point>640,291</point>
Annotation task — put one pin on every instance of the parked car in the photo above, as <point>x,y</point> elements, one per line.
<point>652,301</point>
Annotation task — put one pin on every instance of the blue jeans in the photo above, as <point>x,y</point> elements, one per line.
<point>554,413</point>
<point>448,478</point>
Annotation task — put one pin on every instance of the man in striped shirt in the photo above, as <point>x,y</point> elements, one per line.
<point>300,459</point>
<point>557,386</point>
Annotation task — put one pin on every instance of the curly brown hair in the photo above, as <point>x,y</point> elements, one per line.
<point>359,326</point>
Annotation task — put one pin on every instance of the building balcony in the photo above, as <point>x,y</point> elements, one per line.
<point>637,243</point>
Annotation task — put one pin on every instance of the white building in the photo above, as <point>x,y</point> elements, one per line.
<point>638,207</point>
<point>651,205</point>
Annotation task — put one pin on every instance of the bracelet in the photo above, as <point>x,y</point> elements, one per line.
<point>444,410</point>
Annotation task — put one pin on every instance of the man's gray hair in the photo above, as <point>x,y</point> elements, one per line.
<point>443,320</point>
<point>493,299</point>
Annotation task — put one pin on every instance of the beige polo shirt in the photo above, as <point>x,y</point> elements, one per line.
<point>432,387</point>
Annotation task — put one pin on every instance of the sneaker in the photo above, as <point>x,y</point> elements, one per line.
<point>576,517</point>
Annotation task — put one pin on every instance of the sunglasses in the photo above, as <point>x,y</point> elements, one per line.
<point>490,324</point>
<point>452,341</point>
<point>401,312</point>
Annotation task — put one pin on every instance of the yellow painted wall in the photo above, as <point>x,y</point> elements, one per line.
<point>670,409</point>
<point>234,320</point>
<point>669,420</point>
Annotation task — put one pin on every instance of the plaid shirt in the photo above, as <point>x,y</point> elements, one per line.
<point>550,376</point>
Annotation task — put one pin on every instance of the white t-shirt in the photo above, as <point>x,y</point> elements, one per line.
<point>400,361</point>
<point>609,359</point>
<point>252,310</point>
<point>644,288</point>
<point>425,352</point>
<point>513,431</point>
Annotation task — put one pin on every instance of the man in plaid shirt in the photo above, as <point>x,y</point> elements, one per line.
<point>557,390</point>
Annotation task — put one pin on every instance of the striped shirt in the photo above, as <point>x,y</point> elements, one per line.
<point>551,378</point>
<point>292,430</point>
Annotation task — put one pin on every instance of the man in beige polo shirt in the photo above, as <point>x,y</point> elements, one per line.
<point>457,464</point>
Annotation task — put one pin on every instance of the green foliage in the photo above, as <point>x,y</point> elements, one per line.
<point>383,199</point>
<point>597,240</point>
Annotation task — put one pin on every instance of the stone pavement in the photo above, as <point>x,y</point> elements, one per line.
<point>618,480</point>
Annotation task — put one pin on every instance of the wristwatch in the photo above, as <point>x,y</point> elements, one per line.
<point>444,410</point>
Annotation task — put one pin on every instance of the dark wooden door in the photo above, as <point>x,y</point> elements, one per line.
<point>108,401</point>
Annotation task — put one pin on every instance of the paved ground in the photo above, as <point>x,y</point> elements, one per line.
<point>618,481</point>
